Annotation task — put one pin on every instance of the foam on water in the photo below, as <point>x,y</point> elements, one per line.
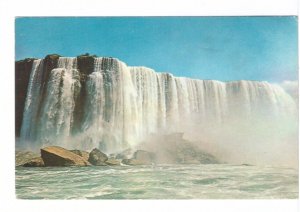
<point>161,182</point>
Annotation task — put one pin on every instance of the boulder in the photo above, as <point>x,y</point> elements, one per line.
<point>188,152</point>
<point>126,154</point>
<point>113,162</point>
<point>134,162</point>
<point>97,158</point>
<point>81,153</point>
<point>58,156</point>
<point>35,162</point>
<point>144,156</point>
<point>23,157</point>
<point>175,149</point>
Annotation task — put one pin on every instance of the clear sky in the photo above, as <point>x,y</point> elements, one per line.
<point>221,48</point>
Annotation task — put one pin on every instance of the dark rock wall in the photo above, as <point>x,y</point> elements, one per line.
<point>22,75</point>
<point>85,65</point>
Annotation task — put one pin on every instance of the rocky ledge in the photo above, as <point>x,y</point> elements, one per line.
<point>61,157</point>
<point>173,150</point>
<point>58,156</point>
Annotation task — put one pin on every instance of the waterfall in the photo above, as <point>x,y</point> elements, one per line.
<point>55,120</point>
<point>123,105</point>
<point>31,104</point>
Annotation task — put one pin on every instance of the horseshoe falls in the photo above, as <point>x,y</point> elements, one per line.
<point>113,106</point>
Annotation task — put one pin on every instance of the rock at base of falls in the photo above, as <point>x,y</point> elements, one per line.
<point>58,156</point>
<point>23,157</point>
<point>186,152</point>
<point>141,157</point>
<point>134,162</point>
<point>126,154</point>
<point>97,158</point>
<point>174,149</point>
<point>34,162</point>
<point>81,153</point>
<point>113,162</point>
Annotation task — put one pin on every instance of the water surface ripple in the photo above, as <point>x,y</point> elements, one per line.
<point>159,182</point>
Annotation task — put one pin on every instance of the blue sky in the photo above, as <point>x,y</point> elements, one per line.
<point>221,48</point>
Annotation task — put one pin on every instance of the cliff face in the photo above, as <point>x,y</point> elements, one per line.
<point>22,75</point>
<point>85,66</point>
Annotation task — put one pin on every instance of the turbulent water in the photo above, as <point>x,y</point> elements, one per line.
<point>123,105</point>
<point>160,182</point>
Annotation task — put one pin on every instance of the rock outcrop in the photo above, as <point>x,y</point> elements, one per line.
<point>140,157</point>
<point>188,153</point>
<point>113,162</point>
<point>34,162</point>
<point>58,156</point>
<point>81,153</point>
<point>97,158</point>
<point>126,154</point>
<point>174,149</point>
<point>134,162</point>
<point>23,157</point>
<point>22,75</point>
<point>85,64</point>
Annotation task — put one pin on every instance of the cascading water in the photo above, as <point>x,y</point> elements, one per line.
<point>123,105</point>
<point>57,111</point>
<point>31,105</point>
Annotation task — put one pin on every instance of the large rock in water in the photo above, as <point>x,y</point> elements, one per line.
<point>58,156</point>
<point>126,154</point>
<point>97,158</point>
<point>113,162</point>
<point>174,149</point>
<point>35,162</point>
<point>81,153</point>
<point>23,157</point>
<point>134,162</point>
<point>140,157</point>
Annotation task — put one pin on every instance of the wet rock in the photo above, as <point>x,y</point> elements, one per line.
<point>189,153</point>
<point>126,154</point>
<point>58,156</point>
<point>85,65</point>
<point>140,157</point>
<point>97,158</point>
<point>175,149</point>
<point>22,75</point>
<point>113,162</point>
<point>81,153</point>
<point>34,162</point>
<point>22,157</point>
<point>134,162</point>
